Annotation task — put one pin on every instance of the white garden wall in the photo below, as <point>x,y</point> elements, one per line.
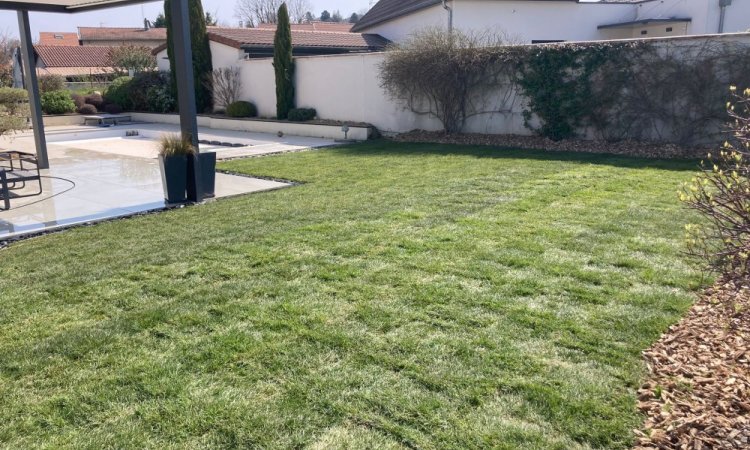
<point>347,88</point>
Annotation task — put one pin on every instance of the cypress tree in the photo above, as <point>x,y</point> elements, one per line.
<point>283,64</point>
<point>202,65</point>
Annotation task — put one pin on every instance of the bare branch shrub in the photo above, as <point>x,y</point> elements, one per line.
<point>226,84</point>
<point>446,75</point>
<point>8,44</point>
<point>721,193</point>
<point>676,92</point>
<point>255,12</point>
<point>131,58</point>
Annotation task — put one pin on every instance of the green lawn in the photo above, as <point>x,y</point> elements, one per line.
<point>405,296</point>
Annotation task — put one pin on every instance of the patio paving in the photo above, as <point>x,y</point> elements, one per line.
<point>85,185</point>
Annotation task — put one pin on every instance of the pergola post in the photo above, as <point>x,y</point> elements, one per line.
<point>29,67</point>
<point>183,63</point>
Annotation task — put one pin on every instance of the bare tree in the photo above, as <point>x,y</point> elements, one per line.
<point>226,85</point>
<point>8,44</point>
<point>255,12</point>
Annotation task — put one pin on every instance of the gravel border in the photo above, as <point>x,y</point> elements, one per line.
<point>624,148</point>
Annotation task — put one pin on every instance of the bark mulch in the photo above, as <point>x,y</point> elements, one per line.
<point>698,392</point>
<point>628,148</point>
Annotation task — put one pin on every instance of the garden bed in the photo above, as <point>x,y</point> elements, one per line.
<point>627,148</point>
<point>698,392</point>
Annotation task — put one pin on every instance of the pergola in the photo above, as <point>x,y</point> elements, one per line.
<point>183,55</point>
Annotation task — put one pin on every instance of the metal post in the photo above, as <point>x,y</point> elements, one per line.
<point>183,59</point>
<point>29,67</point>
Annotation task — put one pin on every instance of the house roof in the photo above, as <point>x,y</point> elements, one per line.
<point>315,26</point>
<point>53,38</point>
<point>122,34</point>
<point>256,38</point>
<point>385,10</point>
<point>645,22</point>
<point>72,56</point>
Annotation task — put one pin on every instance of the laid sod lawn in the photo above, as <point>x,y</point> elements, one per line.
<point>404,296</point>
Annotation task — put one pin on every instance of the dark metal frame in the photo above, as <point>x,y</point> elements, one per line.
<point>14,175</point>
<point>183,71</point>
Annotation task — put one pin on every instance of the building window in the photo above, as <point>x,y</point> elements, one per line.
<point>58,36</point>
<point>644,32</point>
<point>669,29</point>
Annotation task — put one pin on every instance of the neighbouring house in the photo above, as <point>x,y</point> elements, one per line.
<point>118,37</point>
<point>49,38</point>
<point>230,45</point>
<point>543,21</point>
<point>73,62</point>
<point>336,27</point>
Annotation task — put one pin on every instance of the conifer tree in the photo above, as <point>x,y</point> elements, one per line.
<point>283,64</point>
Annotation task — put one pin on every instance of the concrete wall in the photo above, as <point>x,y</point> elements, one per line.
<point>347,88</point>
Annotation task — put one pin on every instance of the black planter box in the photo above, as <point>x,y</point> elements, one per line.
<point>208,173</point>
<point>174,178</point>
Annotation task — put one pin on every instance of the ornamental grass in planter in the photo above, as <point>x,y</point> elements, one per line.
<point>174,152</point>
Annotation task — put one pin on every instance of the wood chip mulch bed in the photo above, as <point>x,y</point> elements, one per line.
<point>698,392</point>
<point>628,148</point>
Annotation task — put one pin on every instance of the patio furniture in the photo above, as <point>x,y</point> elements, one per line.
<point>17,169</point>
<point>105,119</point>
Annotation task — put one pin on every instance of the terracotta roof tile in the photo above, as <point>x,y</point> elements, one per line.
<point>315,26</point>
<point>72,56</point>
<point>52,38</point>
<point>263,37</point>
<point>122,34</point>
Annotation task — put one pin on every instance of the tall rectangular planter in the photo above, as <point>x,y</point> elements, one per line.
<point>174,178</point>
<point>208,173</point>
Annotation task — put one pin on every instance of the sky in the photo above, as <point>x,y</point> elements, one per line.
<point>132,16</point>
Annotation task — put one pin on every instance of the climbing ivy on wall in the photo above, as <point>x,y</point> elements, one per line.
<point>653,90</point>
<point>564,87</point>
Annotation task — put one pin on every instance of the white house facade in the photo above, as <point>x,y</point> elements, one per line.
<point>538,21</point>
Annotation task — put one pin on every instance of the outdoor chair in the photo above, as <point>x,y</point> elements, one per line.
<point>16,170</point>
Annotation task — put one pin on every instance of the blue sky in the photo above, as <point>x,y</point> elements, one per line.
<point>132,16</point>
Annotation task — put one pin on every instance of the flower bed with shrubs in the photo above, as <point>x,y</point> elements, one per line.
<point>145,92</point>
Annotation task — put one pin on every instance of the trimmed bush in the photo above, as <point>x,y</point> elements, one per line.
<point>79,100</point>
<point>12,100</point>
<point>112,108</point>
<point>57,102</point>
<point>302,114</point>
<point>160,99</point>
<point>118,93</point>
<point>95,100</point>
<point>49,83</point>
<point>88,109</point>
<point>242,109</point>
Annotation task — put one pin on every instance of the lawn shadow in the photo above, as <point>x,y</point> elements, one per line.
<point>385,147</point>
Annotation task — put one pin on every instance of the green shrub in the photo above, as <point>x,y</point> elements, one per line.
<point>88,109</point>
<point>242,109</point>
<point>49,83</point>
<point>57,102</point>
<point>12,100</point>
<point>118,93</point>
<point>302,114</point>
<point>160,99</point>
